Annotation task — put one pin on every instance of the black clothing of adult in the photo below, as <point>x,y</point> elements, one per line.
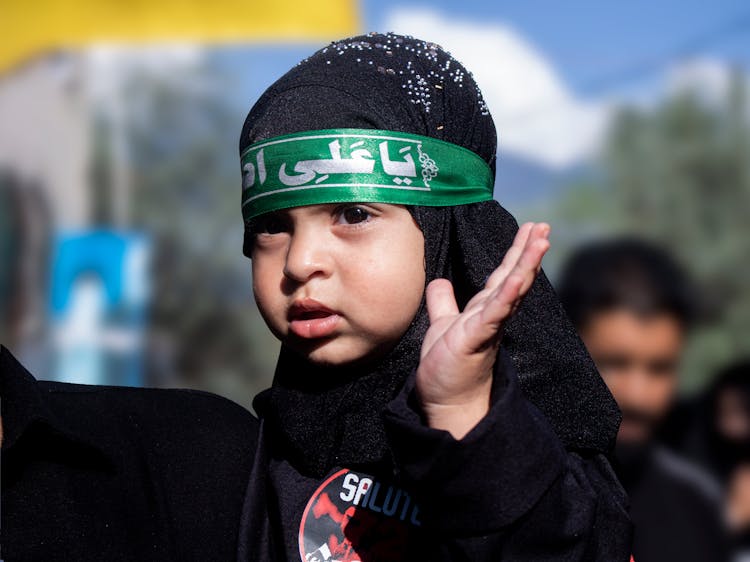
<point>114,473</point>
<point>675,508</point>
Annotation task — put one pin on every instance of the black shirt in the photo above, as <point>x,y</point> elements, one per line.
<point>675,507</point>
<point>115,473</point>
<point>507,491</point>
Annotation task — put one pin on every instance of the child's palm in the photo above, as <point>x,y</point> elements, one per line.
<point>455,371</point>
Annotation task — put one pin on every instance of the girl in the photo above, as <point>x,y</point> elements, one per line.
<point>453,423</point>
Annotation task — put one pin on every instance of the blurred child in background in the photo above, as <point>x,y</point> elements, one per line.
<point>632,306</point>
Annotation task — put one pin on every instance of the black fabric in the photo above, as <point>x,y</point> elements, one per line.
<point>498,494</point>
<point>377,82</point>
<point>106,473</point>
<point>426,459</point>
<point>505,494</point>
<point>675,508</point>
<point>369,82</point>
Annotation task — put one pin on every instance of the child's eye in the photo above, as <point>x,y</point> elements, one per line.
<point>269,224</point>
<point>352,215</point>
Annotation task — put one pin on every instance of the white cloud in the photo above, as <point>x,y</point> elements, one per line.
<point>537,117</point>
<point>709,79</point>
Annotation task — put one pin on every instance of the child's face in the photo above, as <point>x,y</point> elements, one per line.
<point>339,282</point>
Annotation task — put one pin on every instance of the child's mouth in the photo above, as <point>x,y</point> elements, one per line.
<point>310,319</point>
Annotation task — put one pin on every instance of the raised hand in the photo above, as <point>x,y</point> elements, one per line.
<point>454,376</point>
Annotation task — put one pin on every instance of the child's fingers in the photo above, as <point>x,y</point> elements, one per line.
<point>511,256</point>
<point>484,315</point>
<point>500,307</point>
<point>530,262</point>
<point>483,325</point>
<point>500,304</point>
<point>520,260</point>
<point>440,300</point>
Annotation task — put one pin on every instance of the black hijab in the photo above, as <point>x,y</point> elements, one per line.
<point>320,418</point>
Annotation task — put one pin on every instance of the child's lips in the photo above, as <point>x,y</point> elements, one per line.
<point>310,319</point>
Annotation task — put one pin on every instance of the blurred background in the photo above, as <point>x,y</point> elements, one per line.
<point>120,227</point>
<point>625,125</point>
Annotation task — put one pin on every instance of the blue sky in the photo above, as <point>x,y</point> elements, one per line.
<point>597,47</point>
<point>594,44</point>
<point>553,70</point>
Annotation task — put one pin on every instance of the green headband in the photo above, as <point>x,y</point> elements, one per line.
<point>360,165</point>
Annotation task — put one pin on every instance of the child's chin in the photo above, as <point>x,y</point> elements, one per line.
<point>331,353</point>
<point>331,358</point>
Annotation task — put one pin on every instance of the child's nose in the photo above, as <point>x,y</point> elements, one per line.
<point>307,256</point>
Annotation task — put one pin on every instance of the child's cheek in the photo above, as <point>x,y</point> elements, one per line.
<point>268,296</point>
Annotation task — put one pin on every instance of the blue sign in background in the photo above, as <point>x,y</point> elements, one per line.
<point>98,303</point>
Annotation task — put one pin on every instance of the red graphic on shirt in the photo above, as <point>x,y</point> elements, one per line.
<point>354,517</point>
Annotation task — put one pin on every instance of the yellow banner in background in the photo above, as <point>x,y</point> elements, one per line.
<point>29,28</point>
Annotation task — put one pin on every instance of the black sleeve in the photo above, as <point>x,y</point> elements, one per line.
<point>508,490</point>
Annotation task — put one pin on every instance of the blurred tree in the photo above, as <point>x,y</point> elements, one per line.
<point>100,171</point>
<point>204,328</point>
<point>24,259</point>
<point>680,176</point>
<point>9,246</point>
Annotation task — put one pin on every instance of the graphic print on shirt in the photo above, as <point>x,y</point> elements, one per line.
<point>354,517</point>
